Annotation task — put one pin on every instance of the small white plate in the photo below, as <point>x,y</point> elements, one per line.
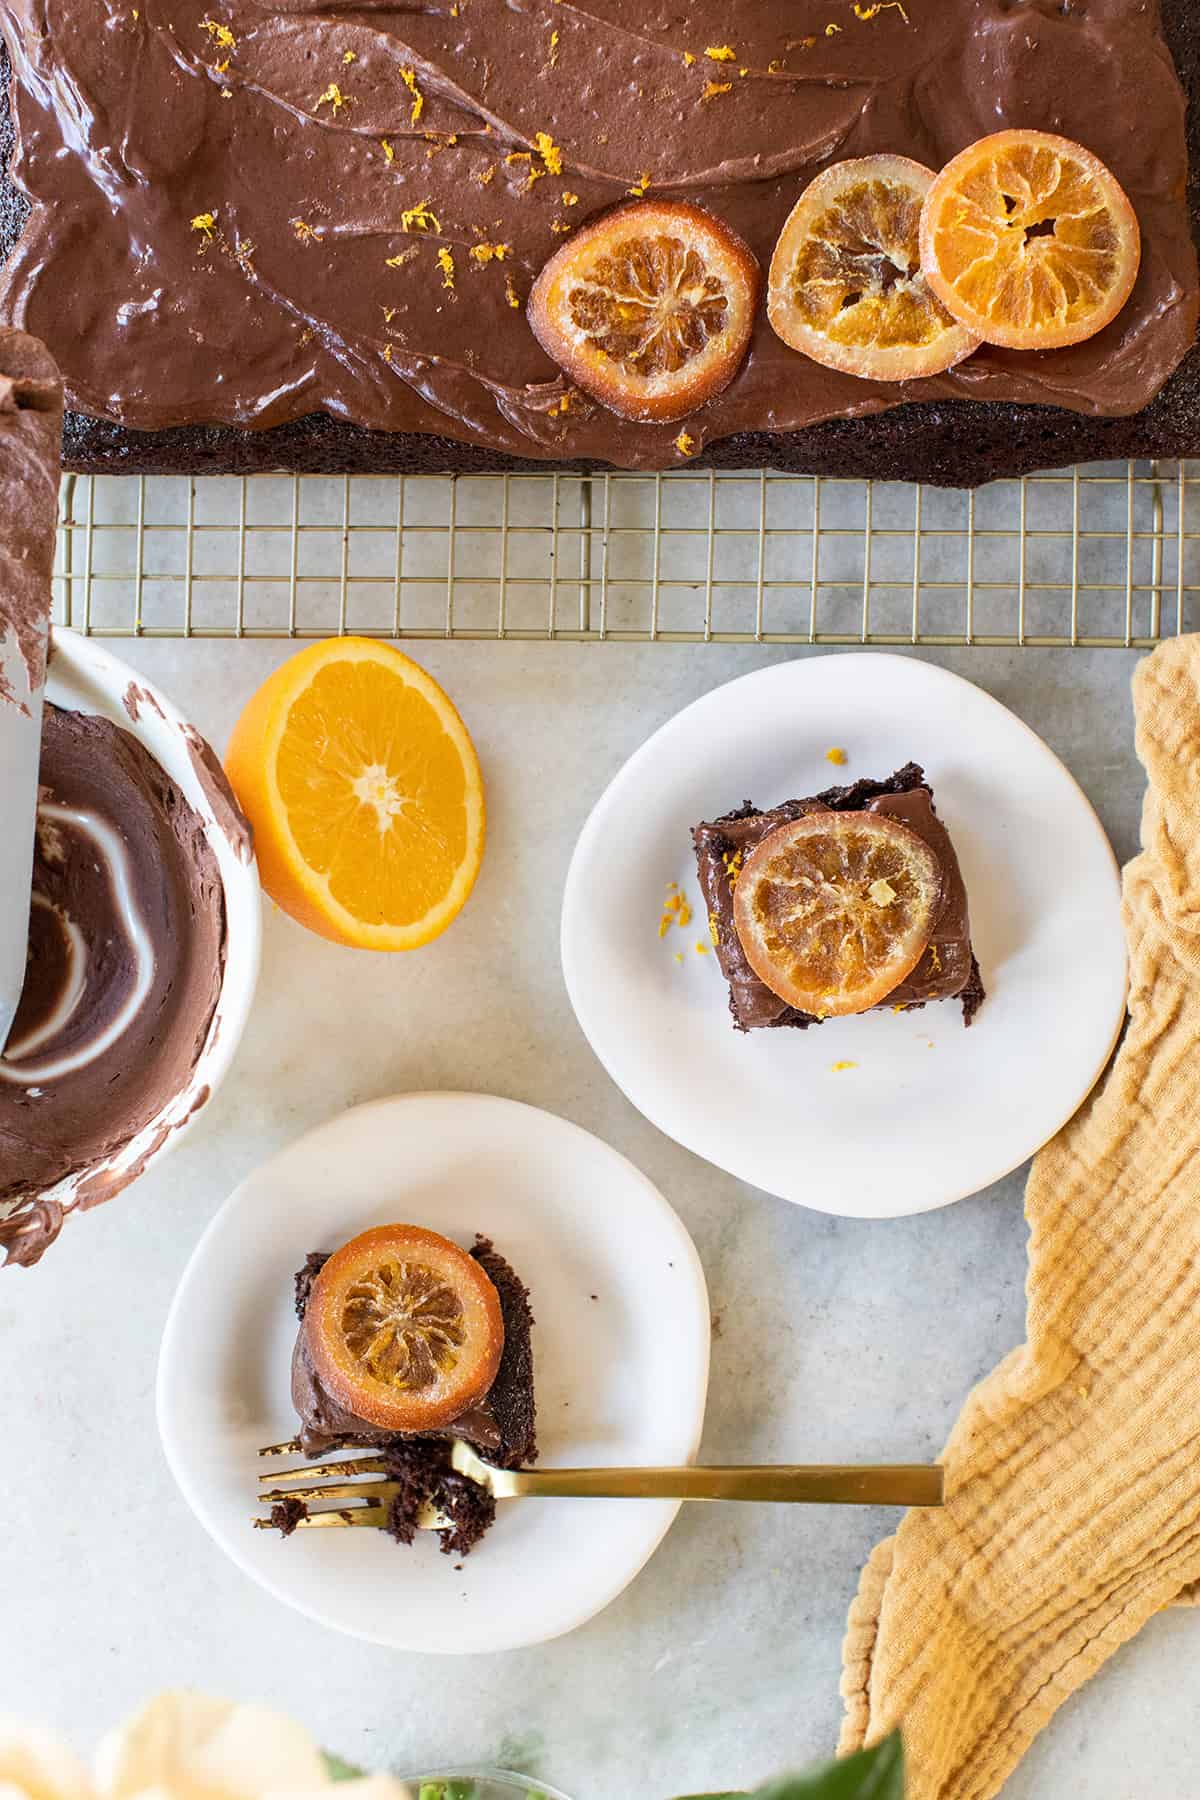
<point>621,1352</point>
<point>928,1113</point>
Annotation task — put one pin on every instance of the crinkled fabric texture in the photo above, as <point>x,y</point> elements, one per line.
<point>1073,1480</point>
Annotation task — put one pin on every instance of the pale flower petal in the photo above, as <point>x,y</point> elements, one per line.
<point>35,1766</point>
<point>191,1747</point>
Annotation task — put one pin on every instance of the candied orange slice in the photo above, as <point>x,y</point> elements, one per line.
<point>364,792</point>
<point>845,284</point>
<point>404,1329</point>
<point>648,308</point>
<point>835,909</point>
<point>1030,241</point>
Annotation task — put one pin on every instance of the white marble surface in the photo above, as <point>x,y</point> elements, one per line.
<point>835,1338</point>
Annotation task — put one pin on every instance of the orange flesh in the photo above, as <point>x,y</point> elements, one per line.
<point>846,286</point>
<point>650,305</point>
<point>858,277</point>
<point>1030,241</point>
<point>405,1328</point>
<point>375,793</point>
<point>834,910</point>
<point>364,792</point>
<point>649,309</point>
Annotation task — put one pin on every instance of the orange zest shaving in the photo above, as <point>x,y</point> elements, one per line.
<point>686,444</point>
<point>446,264</point>
<point>334,97</point>
<point>549,152</point>
<point>419,218</point>
<point>220,34</point>
<point>409,78</point>
<point>205,222</point>
<point>721,53</point>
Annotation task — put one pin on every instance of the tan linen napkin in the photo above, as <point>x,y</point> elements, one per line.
<point>1073,1473</point>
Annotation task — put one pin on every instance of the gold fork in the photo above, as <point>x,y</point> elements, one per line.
<point>833,1484</point>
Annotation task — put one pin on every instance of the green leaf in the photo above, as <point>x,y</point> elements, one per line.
<point>875,1774</point>
<point>339,1770</point>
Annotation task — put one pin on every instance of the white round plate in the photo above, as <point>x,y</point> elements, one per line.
<point>928,1112</point>
<point>621,1362</point>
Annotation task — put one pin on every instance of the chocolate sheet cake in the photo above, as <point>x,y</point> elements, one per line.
<point>239,215</point>
<point>948,969</point>
<point>504,1430</point>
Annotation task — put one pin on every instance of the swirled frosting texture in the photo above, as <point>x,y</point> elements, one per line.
<point>253,212</point>
<point>126,951</point>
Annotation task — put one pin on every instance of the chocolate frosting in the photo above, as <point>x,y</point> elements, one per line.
<point>220,199</point>
<point>324,1424</point>
<point>946,968</point>
<point>126,950</point>
<point>31,413</point>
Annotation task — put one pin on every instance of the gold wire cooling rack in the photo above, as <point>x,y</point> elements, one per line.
<point>1096,557</point>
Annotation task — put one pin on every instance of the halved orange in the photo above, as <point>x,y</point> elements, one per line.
<point>1030,241</point>
<point>845,284</point>
<point>649,308</point>
<point>834,909</point>
<point>364,792</point>
<point>404,1329</point>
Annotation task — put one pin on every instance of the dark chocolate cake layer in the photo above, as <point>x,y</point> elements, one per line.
<point>942,439</point>
<point>948,969</point>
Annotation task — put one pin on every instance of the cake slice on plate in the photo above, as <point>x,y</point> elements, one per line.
<point>836,904</point>
<point>406,1343</point>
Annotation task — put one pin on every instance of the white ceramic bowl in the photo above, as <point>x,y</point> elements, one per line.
<point>86,678</point>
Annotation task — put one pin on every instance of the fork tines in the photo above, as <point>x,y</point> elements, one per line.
<point>292,1505</point>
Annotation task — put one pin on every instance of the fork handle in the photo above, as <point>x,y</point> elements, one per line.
<point>832,1484</point>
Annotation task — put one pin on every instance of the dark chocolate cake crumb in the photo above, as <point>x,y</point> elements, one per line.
<point>974,994</point>
<point>287,1514</point>
<point>421,1467</point>
<point>512,1397</point>
<point>415,1464</point>
<point>471,1510</point>
<point>314,1262</point>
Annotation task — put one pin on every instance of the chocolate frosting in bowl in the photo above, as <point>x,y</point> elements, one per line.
<point>258,212</point>
<point>127,949</point>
